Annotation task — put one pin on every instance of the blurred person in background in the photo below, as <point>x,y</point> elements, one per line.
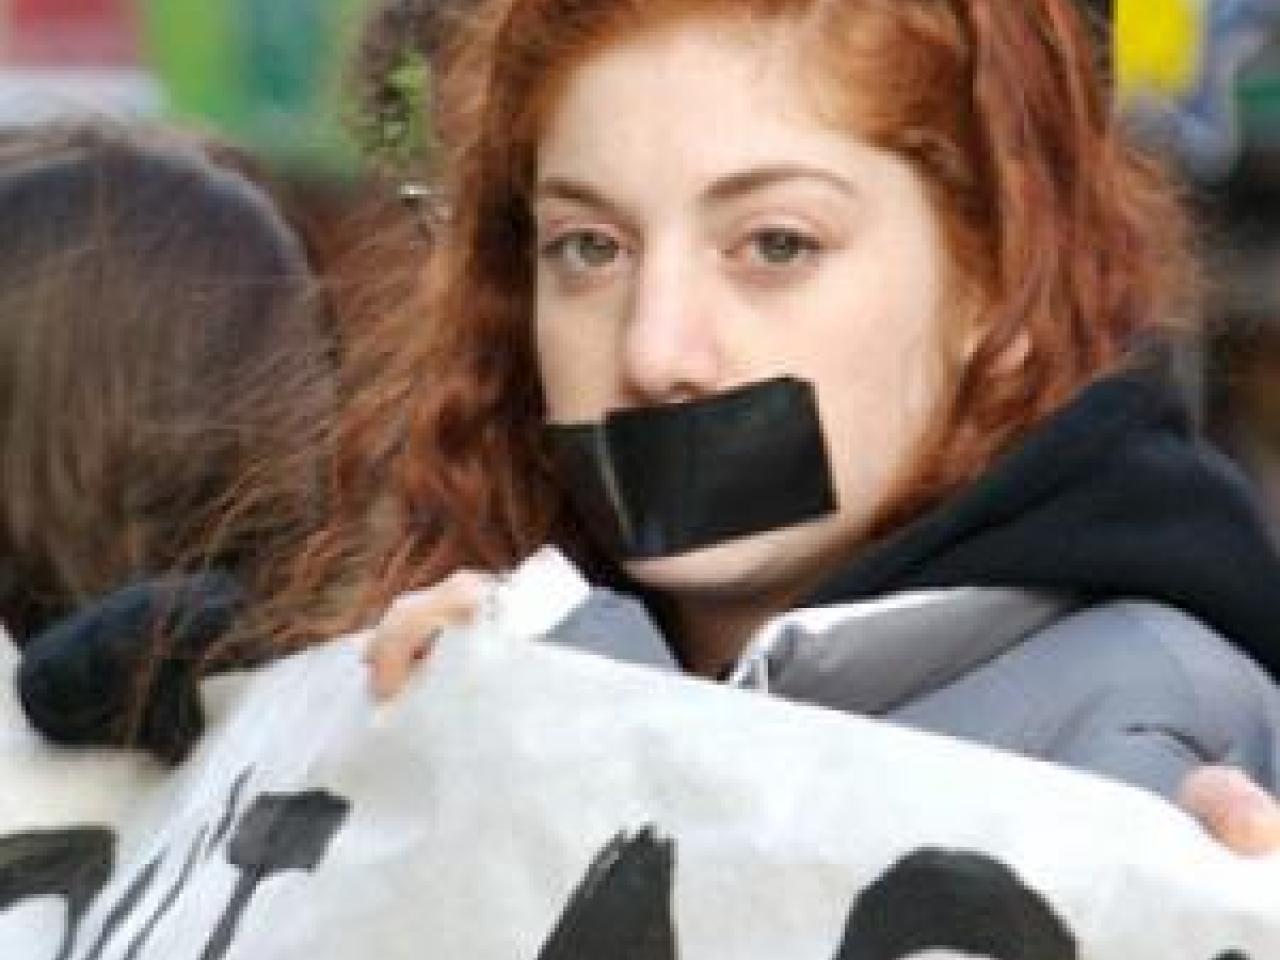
<point>164,350</point>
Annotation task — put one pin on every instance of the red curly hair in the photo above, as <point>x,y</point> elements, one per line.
<point>1074,241</point>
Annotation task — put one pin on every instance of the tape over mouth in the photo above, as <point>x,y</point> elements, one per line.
<point>662,480</point>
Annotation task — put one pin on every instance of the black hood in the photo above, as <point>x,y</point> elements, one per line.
<point>1112,497</point>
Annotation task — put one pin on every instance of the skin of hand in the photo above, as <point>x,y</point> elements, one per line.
<point>408,630</point>
<point>1233,809</point>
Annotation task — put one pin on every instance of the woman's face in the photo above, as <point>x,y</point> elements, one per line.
<point>700,227</point>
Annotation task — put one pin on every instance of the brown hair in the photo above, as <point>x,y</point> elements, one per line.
<point>162,354</point>
<point>1074,241</point>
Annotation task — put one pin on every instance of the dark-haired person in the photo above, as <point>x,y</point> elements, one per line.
<point>166,371</point>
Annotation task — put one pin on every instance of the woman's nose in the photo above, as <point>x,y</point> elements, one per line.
<point>671,349</point>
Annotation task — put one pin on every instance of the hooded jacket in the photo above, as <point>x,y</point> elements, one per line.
<point>1105,596</point>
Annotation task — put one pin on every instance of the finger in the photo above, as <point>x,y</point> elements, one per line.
<point>390,670</point>
<point>408,629</point>
<point>1235,811</point>
<point>412,615</point>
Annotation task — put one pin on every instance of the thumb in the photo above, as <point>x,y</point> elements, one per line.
<point>1234,810</point>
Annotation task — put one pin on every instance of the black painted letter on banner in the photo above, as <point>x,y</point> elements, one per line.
<point>73,863</point>
<point>621,909</point>
<point>941,899</point>
<point>279,833</point>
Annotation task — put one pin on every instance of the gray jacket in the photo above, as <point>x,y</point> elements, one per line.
<point>1128,689</point>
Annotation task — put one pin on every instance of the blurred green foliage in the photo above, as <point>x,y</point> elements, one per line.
<point>273,74</point>
<point>392,128</point>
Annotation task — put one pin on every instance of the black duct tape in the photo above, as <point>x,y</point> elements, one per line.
<point>663,480</point>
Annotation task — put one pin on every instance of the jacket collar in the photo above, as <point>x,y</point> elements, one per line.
<point>872,656</point>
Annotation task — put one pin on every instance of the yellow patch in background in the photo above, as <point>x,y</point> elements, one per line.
<point>1158,45</point>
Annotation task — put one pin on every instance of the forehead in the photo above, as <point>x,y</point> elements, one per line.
<point>692,97</point>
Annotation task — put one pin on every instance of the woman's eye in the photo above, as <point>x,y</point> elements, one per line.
<point>779,247</point>
<point>583,250</point>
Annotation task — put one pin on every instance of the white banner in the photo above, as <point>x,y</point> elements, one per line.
<point>525,802</point>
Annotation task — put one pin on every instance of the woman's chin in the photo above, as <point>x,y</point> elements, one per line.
<point>747,563</point>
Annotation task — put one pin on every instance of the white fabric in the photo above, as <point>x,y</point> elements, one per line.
<point>461,820</point>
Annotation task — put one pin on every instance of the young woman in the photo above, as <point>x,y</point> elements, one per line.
<point>765,307</point>
<point>163,349</point>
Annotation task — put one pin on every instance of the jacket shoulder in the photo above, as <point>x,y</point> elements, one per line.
<point>1130,689</point>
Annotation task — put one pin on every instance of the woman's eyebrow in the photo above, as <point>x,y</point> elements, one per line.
<point>575,191</point>
<point>727,188</point>
<point>748,181</point>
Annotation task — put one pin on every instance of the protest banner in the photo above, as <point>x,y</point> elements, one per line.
<point>526,802</point>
